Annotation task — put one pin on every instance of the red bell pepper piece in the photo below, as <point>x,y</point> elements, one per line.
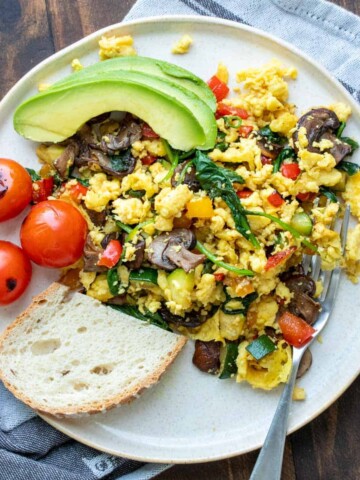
<point>245,130</point>
<point>266,160</point>
<point>111,254</point>
<point>219,277</point>
<point>219,88</point>
<point>148,160</point>
<point>223,109</point>
<point>78,191</point>
<point>244,193</point>
<point>306,196</point>
<point>42,189</point>
<point>295,330</point>
<point>148,132</point>
<point>290,170</point>
<point>278,258</point>
<point>275,199</point>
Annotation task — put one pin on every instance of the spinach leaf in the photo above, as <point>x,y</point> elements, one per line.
<point>83,181</point>
<point>136,193</point>
<point>113,281</point>
<point>353,143</point>
<point>244,303</point>
<point>144,274</point>
<point>153,318</point>
<point>185,155</point>
<point>217,181</point>
<point>329,194</point>
<point>121,162</point>
<point>340,129</point>
<point>271,136</point>
<point>349,167</point>
<point>173,157</point>
<point>34,176</point>
<point>230,367</point>
<point>287,152</point>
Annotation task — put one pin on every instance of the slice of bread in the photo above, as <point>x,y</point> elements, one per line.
<point>69,354</point>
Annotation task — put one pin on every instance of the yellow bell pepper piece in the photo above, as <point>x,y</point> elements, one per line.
<point>200,208</point>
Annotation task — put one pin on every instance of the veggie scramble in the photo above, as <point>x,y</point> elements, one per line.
<point>210,243</point>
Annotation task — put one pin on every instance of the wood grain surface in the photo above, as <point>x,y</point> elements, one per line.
<point>327,448</point>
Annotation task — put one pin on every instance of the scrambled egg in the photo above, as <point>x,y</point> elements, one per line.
<point>131,211</point>
<point>101,191</point>
<point>76,65</point>
<point>111,47</point>
<point>183,45</point>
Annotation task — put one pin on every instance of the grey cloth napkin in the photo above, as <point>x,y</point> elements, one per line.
<point>29,448</point>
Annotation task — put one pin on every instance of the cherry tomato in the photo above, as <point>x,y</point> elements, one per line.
<point>15,272</point>
<point>244,193</point>
<point>295,330</point>
<point>15,189</point>
<point>223,109</point>
<point>290,170</point>
<point>54,234</point>
<point>219,88</point>
<point>275,199</point>
<point>111,254</point>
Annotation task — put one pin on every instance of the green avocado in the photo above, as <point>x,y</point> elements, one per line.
<point>149,66</point>
<point>176,114</point>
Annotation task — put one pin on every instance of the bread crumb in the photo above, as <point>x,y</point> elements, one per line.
<point>182,46</point>
<point>299,394</point>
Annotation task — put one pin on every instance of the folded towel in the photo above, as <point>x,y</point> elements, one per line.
<point>29,448</point>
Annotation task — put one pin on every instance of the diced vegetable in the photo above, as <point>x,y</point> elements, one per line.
<point>261,347</point>
<point>302,223</point>
<point>244,193</point>
<point>306,196</point>
<point>181,284</point>
<point>77,192</point>
<point>279,258</point>
<point>349,167</point>
<point>200,208</point>
<point>295,330</point>
<point>42,189</point>
<point>219,88</point>
<point>266,160</point>
<point>111,254</point>
<point>148,132</point>
<point>219,263</point>
<point>275,199</point>
<point>245,130</point>
<point>144,274</point>
<point>230,367</point>
<point>219,277</point>
<point>148,160</point>
<point>329,194</point>
<point>34,176</point>
<point>290,170</point>
<point>223,109</point>
<point>287,152</point>
<point>153,318</point>
<point>113,281</point>
<point>232,121</point>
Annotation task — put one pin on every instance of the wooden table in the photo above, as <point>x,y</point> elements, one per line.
<point>327,448</point>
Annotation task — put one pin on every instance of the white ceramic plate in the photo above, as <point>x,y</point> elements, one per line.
<point>190,416</point>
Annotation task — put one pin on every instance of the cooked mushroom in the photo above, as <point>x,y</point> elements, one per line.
<point>91,257</point>
<point>110,236</point>
<point>305,307</point>
<point>130,132</point>
<point>66,159</point>
<point>171,250</point>
<point>269,149</point>
<point>301,283</point>
<point>117,167</point>
<point>118,300</point>
<point>207,356</point>
<point>189,178</point>
<point>97,218</point>
<point>305,363</point>
<point>190,320</point>
<point>321,124</point>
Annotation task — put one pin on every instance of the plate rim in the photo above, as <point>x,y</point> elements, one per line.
<point>53,421</point>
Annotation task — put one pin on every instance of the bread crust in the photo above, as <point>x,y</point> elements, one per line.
<point>126,396</point>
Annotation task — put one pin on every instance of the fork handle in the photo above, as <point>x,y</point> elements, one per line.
<point>269,462</point>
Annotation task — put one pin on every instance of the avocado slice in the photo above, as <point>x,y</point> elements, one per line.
<point>174,113</point>
<point>150,66</point>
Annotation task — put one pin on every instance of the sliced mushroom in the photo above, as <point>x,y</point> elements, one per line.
<point>305,307</point>
<point>321,123</point>
<point>66,159</point>
<point>305,363</point>
<point>117,168</point>
<point>130,132</point>
<point>171,250</point>
<point>118,300</point>
<point>190,320</point>
<point>110,236</point>
<point>189,178</point>
<point>207,356</point>
<point>268,149</point>
<point>301,283</point>
<point>91,257</point>
<point>97,218</point>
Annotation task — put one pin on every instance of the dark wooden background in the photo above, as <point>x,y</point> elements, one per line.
<point>327,448</point>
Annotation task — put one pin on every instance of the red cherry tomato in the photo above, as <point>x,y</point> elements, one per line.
<point>15,272</point>
<point>223,109</point>
<point>275,199</point>
<point>54,234</point>
<point>290,170</point>
<point>244,193</point>
<point>219,88</point>
<point>295,330</point>
<point>15,189</point>
<point>42,189</point>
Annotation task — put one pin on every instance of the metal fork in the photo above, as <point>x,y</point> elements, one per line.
<point>269,463</point>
